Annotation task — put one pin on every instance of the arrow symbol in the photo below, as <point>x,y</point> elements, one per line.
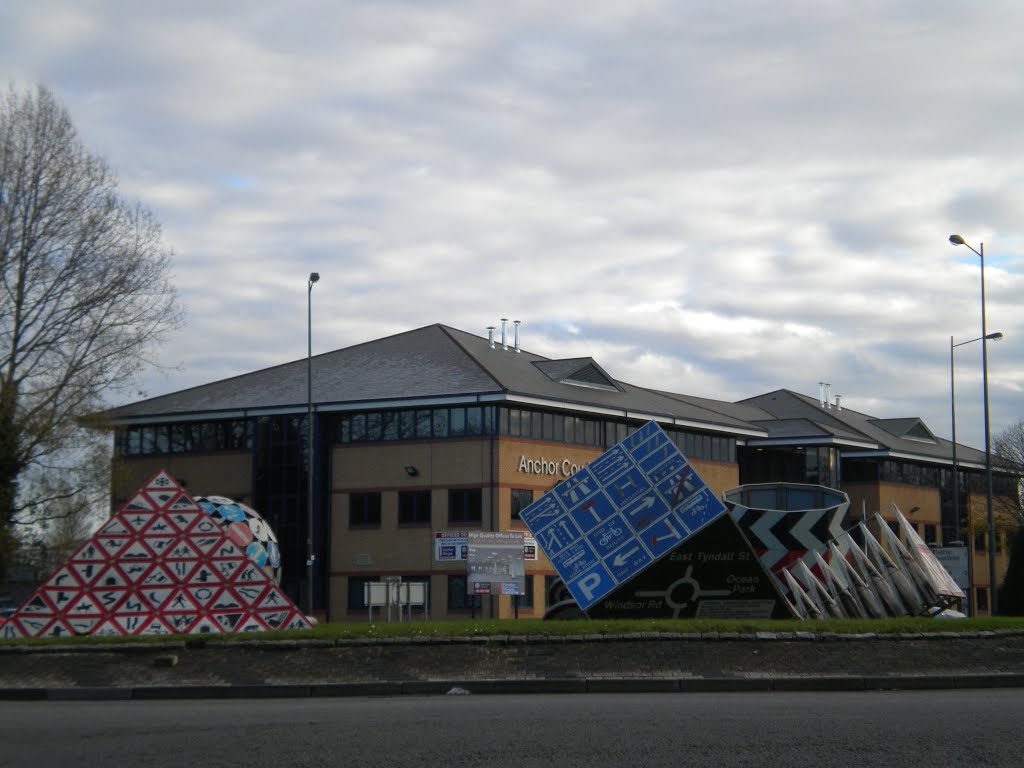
<point>623,557</point>
<point>644,505</point>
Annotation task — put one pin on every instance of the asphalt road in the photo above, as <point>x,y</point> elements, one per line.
<point>908,728</point>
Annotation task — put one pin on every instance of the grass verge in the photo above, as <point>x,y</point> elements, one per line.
<point>484,628</point>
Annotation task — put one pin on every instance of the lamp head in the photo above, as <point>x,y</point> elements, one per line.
<point>957,240</point>
<point>314,277</point>
<point>994,336</point>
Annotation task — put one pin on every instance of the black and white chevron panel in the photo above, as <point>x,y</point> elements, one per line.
<point>781,538</point>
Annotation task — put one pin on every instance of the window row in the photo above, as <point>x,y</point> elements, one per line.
<point>457,598</point>
<point>419,424</point>
<point>465,507</point>
<point>469,421</point>
<point>193,437</point>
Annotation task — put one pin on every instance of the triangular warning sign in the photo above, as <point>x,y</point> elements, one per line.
<point>160,565</point>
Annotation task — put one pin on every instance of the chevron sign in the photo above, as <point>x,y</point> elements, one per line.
<point>783,537</point>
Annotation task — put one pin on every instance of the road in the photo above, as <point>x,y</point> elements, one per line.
<point>934,728</point>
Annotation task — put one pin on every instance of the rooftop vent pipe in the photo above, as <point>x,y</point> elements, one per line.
<point>490,336</point>
<point>839,405</point>
<point>517,334</point>
<point>504,338</point>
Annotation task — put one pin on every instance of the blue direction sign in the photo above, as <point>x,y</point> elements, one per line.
<point>619,514</point>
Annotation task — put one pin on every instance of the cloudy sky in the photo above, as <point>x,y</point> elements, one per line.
<point>718,198</point>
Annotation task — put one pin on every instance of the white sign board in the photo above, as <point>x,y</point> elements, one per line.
<point>452,546</point>
<point>496,563</point>
<point>954,560</point>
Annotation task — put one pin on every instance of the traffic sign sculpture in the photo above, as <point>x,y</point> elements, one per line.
<point>163,564</point>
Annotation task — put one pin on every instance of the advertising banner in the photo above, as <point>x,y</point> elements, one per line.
<point>496,564</point>
<point>453,546</point>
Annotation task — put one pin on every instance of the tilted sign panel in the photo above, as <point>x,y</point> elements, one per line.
<point>713,574</point>
<point>622,512</point>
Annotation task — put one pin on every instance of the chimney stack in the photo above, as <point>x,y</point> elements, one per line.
<point>490,336</point>
<point>504,337</point>
<point>517,334</point>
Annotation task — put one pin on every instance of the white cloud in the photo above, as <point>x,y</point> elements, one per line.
<point>707,197</point>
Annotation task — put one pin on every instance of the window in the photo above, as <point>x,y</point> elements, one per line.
<point>930,534</point>
<point>364,510</point>
<point>458,600</point>
<point>521,499</point>
<point>981,598</point>
<point>357,591</point>
<point>414,507</point>
<point>550,597</point>
<point>979,541</point>
<point>465,505</point>
<point>526,599</point>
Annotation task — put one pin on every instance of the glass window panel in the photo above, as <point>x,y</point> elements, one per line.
<point>440,422</point>
<point>458,423</point>
<point>357,591</point>
<point>515,417</point>
<point>521,499</point>
<point>458,600</point>
<point>414,507</point>
<point>406,425</point>
<point>424,424</point>
<point>465,505</point>
<point>536,425</point>
<point>526,599</point>
<point>373,425</point>
<point>180,438</point>
<point>389,425</point>
<point>474,420</point>
<point>364,510</point>
<point>358,427</point>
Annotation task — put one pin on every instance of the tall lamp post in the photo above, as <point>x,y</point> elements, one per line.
<point>993,587</point>
<point>956,471</point>
<point>310,556</point>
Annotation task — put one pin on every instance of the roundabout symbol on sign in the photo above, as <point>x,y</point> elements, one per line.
<point>693,592</point>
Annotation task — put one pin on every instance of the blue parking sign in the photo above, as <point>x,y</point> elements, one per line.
<point>620,514</point>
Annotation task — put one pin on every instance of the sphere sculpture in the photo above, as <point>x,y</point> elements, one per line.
<point>248,530</point>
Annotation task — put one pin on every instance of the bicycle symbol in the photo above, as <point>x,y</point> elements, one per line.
<point>609,536</point>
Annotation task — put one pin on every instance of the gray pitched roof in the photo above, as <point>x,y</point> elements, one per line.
<point>440,363</point>
<point>885,435</point>
<point>435,361</point>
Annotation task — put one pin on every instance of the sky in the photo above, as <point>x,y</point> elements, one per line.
<point>715,198</point>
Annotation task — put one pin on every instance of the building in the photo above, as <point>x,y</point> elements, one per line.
<point>438,430</point>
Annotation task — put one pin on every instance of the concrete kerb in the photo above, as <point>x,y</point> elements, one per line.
<point>690,685</point>
<point>677,662</point>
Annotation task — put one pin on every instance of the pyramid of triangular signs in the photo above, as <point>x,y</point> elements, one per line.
<point>159,566</point>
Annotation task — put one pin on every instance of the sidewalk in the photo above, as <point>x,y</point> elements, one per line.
<point>668,662</point>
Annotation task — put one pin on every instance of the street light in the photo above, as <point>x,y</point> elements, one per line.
<point>310,556</point>
<point>956,472</point>
<point>993,587</point>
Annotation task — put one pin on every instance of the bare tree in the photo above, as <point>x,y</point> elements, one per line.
<point>85,294</point>
<point>1008,455</point>
<point>1008,447</point>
